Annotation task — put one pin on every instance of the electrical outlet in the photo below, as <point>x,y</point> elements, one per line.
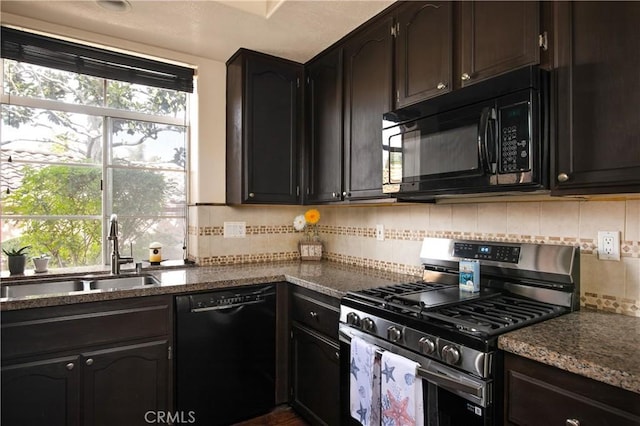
<point>380,232</point>
<point>609,245</point>
<point>235,230</point>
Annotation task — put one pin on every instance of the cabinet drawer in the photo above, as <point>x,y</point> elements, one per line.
<point>66,328</point>
<point>316,311</point>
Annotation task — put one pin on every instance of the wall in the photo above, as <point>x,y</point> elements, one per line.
<point>349,237</point>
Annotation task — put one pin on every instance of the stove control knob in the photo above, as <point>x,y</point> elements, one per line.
<point>353,319</point>
<point>427,345</point>
<point>394,334</point>
<point>450,354</point>
<point>368,324</point>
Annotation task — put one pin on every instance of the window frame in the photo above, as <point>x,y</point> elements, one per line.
<point>107,115</point>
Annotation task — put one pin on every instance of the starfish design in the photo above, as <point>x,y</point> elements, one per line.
<point>397,412</point>
<point>388,372</point>
<point>354,368</point>
<point>362,412</point>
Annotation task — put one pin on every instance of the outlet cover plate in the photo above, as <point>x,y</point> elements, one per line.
<point>609,245</point>
<point>235,229</point>
<point>380,232</point>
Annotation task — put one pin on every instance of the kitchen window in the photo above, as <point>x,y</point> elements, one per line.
<point>86,133</point>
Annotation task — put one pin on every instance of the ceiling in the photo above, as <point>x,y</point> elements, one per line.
<point>292,29</point>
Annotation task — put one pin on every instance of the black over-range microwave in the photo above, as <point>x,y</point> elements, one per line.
<point>486,138</point>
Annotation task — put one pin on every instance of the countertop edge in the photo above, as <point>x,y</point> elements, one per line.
<point>570,363</point>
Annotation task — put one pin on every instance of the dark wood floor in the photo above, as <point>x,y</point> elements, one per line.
<point>280,416</point>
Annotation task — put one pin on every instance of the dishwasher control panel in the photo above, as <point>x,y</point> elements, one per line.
<point>227,299</point>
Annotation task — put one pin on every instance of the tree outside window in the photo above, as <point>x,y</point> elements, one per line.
<point>77,148</point>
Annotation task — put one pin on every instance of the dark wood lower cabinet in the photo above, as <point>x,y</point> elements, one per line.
<point>538,394</point>
<point>104,363</point>
<point>42,392</point>
<point>123,384</point>
<point>315,377</point>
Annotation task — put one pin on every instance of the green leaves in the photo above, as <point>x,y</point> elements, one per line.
<point>14,252</point>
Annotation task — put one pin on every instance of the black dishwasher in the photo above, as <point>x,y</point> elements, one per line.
<point>225,354</point>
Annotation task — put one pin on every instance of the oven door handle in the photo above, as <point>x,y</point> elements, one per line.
<point>445,381</point>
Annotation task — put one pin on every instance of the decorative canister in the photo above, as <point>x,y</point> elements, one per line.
<point>155,253</point>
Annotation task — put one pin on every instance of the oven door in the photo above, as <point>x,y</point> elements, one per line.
<point>451,397</point>
<point>454,150</point>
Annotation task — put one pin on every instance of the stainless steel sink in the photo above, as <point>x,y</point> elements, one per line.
<point>122,282</point>
<point>41,288</point>
<point>63,286</point>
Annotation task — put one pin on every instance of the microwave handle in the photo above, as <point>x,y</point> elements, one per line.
<point>486,144</point>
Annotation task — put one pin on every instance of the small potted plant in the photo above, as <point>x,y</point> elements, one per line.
<point>17,259</point>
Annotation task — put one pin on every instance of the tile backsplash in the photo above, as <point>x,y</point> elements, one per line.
<point>349,236</point>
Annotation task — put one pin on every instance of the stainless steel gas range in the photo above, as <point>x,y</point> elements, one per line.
<point>452,334</point>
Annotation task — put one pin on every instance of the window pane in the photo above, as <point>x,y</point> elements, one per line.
<point>69,242</point>
<point>146,144</point>
<point>138,233</point>
<point>146,99</point>
<point>50,136</point>
<point>53,190</point>
<point>34,81</point>
<point>148,192</point>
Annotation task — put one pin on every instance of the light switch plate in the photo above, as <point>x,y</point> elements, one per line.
<point>380,232</point>
<point>609,245</point>
<point>235,230</point>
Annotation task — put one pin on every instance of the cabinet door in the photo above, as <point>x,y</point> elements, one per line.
<point>423,51</point>
<point>598,95</point>
<point>324,128</point>
<point>271,131</point>
<point>496,37</point>
<point>42,392</point>
<point>538,394</point>
<point>315,377</point>
<point>368,87</point>
<point>122,384</point>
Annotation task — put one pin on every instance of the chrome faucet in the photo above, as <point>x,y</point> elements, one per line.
<point>116,259</point>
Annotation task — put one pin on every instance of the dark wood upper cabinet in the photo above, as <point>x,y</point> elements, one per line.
<point>424,51</point>
<point>496,37</point>
<point>263,126</point>
<point>324,128</point>
<point>368,89</point>
<point>598,97</point>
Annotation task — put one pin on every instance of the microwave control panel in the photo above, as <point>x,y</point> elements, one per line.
<point>515,139</point>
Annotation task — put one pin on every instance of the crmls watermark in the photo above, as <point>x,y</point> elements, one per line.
<point>166,417</point>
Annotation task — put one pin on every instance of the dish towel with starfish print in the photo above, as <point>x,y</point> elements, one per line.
<point>401,392</point>
<point>364,386</point>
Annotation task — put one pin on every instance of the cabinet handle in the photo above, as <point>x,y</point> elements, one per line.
<point>465,77</point>
<point>572,422</point>
<point>441,86</point>
<point>89,361</point>
<point>346,194</point>
<point>70,366</point>
<point>563,177</point>
<point>251,195</point>
<point>314,315</point>
<point>337,355</point>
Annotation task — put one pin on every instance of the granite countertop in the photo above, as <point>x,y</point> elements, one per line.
<point>597,345</point>
<point>334,279</point>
